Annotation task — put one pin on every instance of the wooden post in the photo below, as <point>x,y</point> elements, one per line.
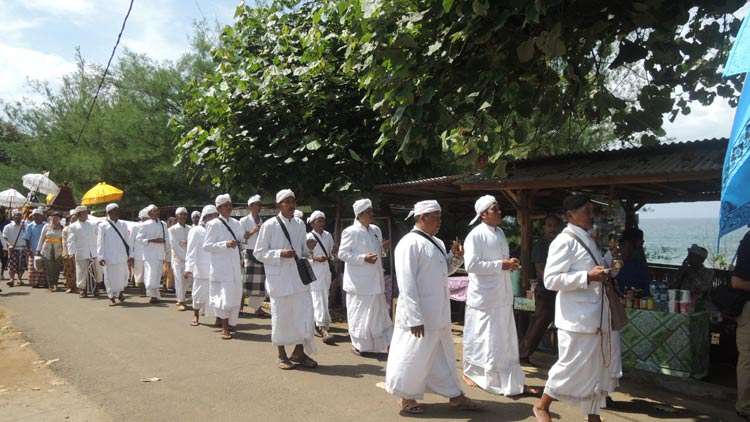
<point>525,199</point>
<point>630,221</point>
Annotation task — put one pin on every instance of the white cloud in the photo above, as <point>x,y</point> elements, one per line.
<point>713,121</point>
<point>60,7</point>
<point>18,65</point>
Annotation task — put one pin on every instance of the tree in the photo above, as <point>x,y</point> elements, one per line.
<point>510,78</point>
<point>278,112</point>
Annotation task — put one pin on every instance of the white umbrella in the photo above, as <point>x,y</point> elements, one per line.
<point>35,182</point>
<point>11,198</point>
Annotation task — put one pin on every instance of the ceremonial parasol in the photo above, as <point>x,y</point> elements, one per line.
<point>101,193</point>
<point>36,182</point>
<point>11,198</point>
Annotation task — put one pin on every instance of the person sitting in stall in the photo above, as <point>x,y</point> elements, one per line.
<point>634,273</point>
<point>693,276</point>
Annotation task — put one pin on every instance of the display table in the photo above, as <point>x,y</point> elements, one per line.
<point>667,343</point>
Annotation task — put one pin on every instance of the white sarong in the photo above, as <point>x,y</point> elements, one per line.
<point>138,272</point>
<point>491,350</point>
<point>583,375</point>
<point>321,315</point>
<point>292,321</point>
<point>152,272</point>
<point>225,299</point>
<point>115,279</point>
<point>200,294</point>
<point>370,326</point>
<point>180,283</point>
<point>419,365</point>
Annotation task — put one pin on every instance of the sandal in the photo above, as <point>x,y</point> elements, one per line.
<point>306,362</point>
<point>411,407</point>
<point>286,364</point>
<point>463,403</point>
<point>528,390</point>
<point>194,323</point>
<point>226,336</point>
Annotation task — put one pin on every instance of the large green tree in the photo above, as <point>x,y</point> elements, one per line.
<point>279,112</point>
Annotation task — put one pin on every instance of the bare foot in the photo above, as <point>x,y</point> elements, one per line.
<point>541,415</point>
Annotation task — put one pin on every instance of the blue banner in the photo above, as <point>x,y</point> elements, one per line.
<point>735,180</point>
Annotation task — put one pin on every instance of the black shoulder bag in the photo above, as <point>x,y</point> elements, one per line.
<point>233,237</point>
<point>442,252</point>
<point>331,265</point>
<point>304,268</point>
<point>127,248</point>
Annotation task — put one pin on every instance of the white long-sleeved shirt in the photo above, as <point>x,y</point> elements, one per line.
<point>149,230</point>
<point>422,274</point>
<point>578,306</point>
<point>226,263</point>
<point>109,246</point>
<point>282,277</point>
<point>13,235</point>
<point>82,239</point>
<point>248,223</point>
<point>321,269</point>
<point>485,248</point>
<point>361,277</point>
<point>197,260</point>
<point>178,236</point>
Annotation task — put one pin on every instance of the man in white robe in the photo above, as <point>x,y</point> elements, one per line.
<point>195,217</point>
<point>178,237</point>
<point>422,356</point>
<point>82,245</point>
<point>254,284</point>
<point>291,304</point>
<point>113,251</point>
<point>154,238</point>
<point>588,366</point>
<point>222,243</point>
<point>198,263</point>
<point>137,253</point>
<point>362,245</point>
<point>322,256</point>
<point>490,357</point>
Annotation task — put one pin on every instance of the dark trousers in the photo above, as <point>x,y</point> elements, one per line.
<point>544,315</point>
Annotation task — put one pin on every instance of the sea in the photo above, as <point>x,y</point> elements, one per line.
<point>667,240</point>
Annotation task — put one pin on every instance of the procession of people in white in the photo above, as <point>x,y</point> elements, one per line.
<point>218,258</point>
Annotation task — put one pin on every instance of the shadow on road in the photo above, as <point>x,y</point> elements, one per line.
<point>350,371</point>
<point>14,293</point>
<point>491,411</point>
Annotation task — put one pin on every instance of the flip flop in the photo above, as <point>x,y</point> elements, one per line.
<point>194,323</point>
<point>286,364</point>
<point>226,336</point>
<point>307,362</point>
<point>412,408</point>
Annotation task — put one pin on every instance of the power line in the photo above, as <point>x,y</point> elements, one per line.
<point>104,75</point>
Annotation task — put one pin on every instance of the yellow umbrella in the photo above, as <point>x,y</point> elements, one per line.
<point>101,193</point>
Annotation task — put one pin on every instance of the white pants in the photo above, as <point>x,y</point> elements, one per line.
<point>292,321</point>
<point>82,273</point>
<point>370,326</point>
<point>138,272</point>
<point>152,272</point>
<point>418,365</point>
<point>115,278</point>
<point>200,294</point>
<point>321,315</point>
<point>180,283</point>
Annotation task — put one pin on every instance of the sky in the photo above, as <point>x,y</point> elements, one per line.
<point>38,39</point>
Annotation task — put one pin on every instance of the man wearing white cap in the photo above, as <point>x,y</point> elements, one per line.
<point>362,245</point>
<point>137,254</point>
<point>14,238</point>
<point>198,263</point>
<point>69,262</point>
<point>224,247</point>
<point>422,354</point>
<point>321,261</point>
<point>490,339</point>
<point>195,217</point>
<point>178,237</point>
<point>113,249</point>
<point>82,245</point>
<point>255,278</point>
<point>154,238</point>
<point>281,241</point>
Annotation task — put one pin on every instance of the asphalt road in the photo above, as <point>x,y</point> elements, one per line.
<point>106,351</point>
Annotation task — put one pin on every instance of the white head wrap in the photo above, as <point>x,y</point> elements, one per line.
<point>253,199</point>
<point>71,212</point>
<point>150,208</point>
<point>424,207</point>
<point>298,214</point>
<point>112,206</point>
<point>208,210</point>
<point>195,214</point>
<point>81,208</point>
<point>284,194</point>
<point>315,215</point>
<point>223,199</point>
<point>142,214</point>
<point>361,205</point>
<point>483,204</point>
<point>37,211</point>
<point>181,210</point>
